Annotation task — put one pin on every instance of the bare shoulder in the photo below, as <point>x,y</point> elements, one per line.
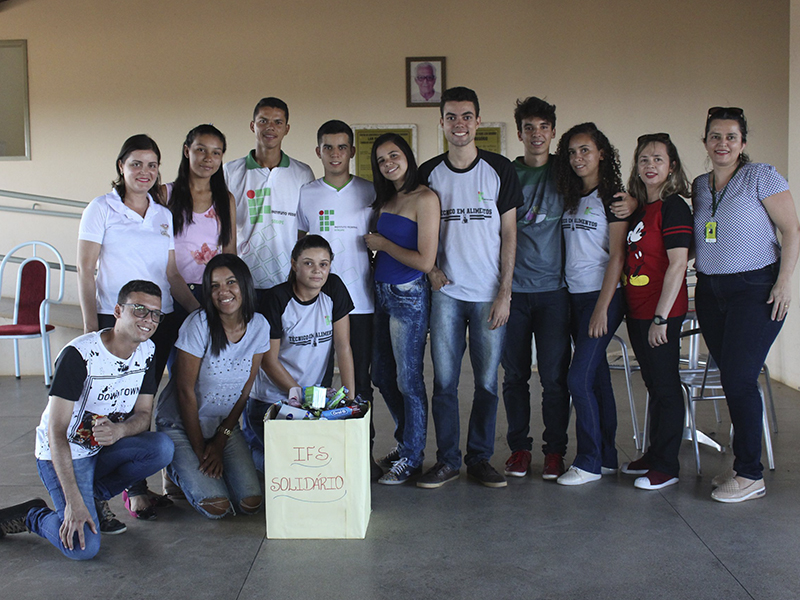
<point>425,195</point>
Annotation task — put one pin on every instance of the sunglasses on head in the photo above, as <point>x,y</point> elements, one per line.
<point>653,137</point>
<point>718,111</point>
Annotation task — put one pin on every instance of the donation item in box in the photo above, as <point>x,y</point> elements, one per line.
<point>317,477</point>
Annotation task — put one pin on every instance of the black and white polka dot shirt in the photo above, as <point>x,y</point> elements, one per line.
<point>745,235</point>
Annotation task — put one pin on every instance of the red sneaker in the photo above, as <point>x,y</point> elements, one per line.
<point>553,466</point>
<point>637,467</point>
<point>654,480</point>
<point>518,463</point>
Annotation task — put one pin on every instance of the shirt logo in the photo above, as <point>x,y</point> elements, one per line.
<point>255,204</point>
<point>326,221</point>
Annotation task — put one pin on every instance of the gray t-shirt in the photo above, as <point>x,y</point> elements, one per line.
<point>539,262</point>
<point>221,378</point>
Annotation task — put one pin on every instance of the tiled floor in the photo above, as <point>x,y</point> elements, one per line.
<point>532,540</point>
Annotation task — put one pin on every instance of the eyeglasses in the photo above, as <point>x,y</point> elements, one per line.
<point>718,111</point>
<point>426,78</point>
<point>140,311</point>
<point>653,137</point>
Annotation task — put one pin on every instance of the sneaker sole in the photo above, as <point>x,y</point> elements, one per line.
<point>491,484</point>
<point>634,472</point>
<point>650,487</point>
<point>581,481</point>
<point>515,473</point>
<point>751,496</point>
<point>116,531</point>
<point>432,486</point>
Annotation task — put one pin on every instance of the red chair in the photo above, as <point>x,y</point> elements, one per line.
<point>32,301</point>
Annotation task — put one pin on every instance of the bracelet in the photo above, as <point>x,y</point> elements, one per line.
<point>224,431</point>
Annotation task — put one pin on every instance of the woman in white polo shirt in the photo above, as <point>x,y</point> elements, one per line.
<point>127,234</point>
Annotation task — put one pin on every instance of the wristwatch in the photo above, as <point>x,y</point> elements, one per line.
<point>224,431</point>
<point>659,320</point>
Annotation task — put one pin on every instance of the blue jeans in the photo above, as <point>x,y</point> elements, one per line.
<point>738,328</point>
<point>253,429</point>
<point>398,356</point>
<point>239,477</point>
<point>450,320</point>
<point>101,476</point>
<point>589,382</point>
<point>544,315</point>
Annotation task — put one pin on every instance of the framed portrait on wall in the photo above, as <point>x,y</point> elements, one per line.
<point>425,80</point>
<point>365,136</point>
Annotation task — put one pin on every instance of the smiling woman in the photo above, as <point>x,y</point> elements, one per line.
<point>308,318</point>
<point>199,410</point>
<point>127,234</point>
<point>744,284</point>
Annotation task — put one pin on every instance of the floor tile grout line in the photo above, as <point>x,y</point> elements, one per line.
<point>250,568</point>
<point>702,541</point>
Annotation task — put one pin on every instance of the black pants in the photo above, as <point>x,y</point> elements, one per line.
<point>660,374</point>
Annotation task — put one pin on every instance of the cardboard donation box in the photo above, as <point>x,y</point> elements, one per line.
<point>317,477</point>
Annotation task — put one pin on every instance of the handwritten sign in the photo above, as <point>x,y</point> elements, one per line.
<point>317,477</point>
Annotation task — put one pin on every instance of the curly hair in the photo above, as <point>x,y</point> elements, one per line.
<point>570,186</point>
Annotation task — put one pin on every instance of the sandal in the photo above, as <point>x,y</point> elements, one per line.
<point>147,514</point>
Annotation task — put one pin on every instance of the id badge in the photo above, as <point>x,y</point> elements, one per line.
<point>711,232</point>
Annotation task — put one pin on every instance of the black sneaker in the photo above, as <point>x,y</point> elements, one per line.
<point>109,524</point>
<point>387,461</point>
<point>12,519</point>
<point>437,476</point>
<point>400,472</point>
<point>486,474</point>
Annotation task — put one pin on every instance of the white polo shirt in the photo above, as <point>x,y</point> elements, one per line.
<point>266,214</point>
<point>131,247</point>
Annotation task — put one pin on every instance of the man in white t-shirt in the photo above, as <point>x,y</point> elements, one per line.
<point>93,440</point>
<point>338,206</point>
<point>471,282</point>
<point>266,185</point>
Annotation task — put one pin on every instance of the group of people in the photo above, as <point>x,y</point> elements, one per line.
<point>193,275</point>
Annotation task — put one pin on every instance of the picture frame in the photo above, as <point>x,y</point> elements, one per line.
<point>426,79</point>
<point>366,134</point>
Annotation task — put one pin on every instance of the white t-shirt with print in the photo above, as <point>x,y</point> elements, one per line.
<point>221,378</point>
<point>100,385</point>
<point>342,217</point>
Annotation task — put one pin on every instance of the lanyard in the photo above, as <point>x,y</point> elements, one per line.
<point>712,183</point>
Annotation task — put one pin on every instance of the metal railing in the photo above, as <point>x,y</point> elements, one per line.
<point>36,199</point>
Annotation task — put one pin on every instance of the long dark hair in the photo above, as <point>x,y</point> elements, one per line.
<point>219,341</point>
<point>180,202</point>
<point>384,189</point>
<point>570,185</point>
<point>140,141</point>
<point>304,243</point>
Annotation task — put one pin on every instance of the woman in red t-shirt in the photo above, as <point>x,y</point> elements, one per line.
<point>655,288</point>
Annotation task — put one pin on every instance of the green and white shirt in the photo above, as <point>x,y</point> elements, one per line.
<point>266,214</point>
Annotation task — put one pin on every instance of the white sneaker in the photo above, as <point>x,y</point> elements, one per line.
<point>576,476</point>
<point>732,491</point>
<point>608,471</point>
